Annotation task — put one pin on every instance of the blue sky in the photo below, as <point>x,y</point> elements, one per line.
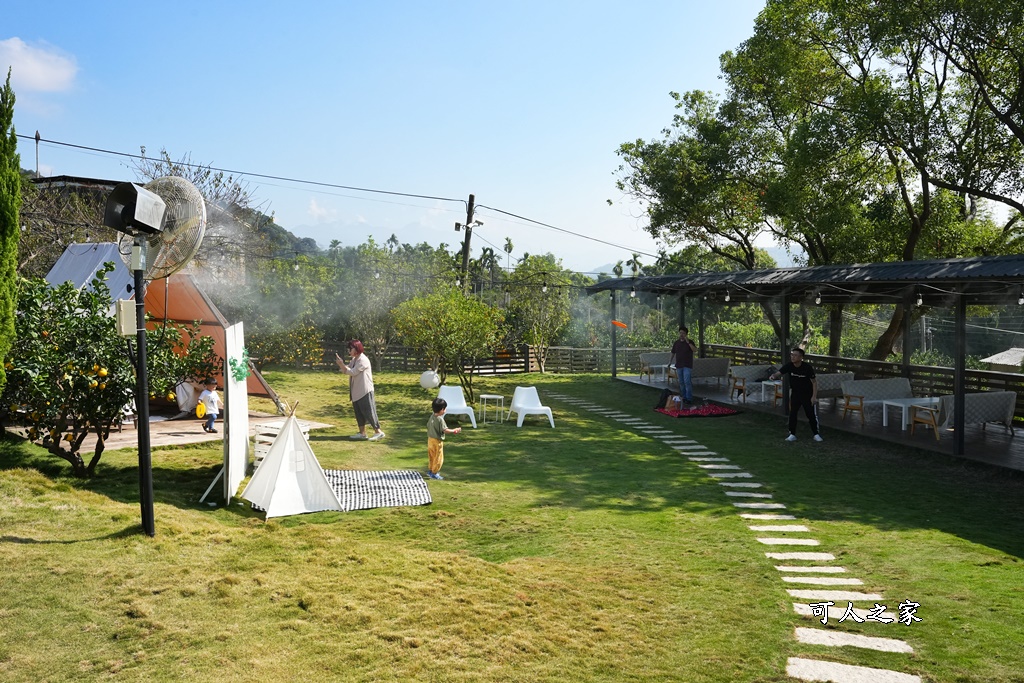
<point>522,104</point>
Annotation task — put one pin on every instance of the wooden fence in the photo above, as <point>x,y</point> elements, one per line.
<point>925,380</point>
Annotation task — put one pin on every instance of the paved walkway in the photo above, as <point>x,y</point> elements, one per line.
<point>822,589</point>
<point>164,432</point>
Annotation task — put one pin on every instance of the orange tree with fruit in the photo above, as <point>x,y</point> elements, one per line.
<point>69,372</point>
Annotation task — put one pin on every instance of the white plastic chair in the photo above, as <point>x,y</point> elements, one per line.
<point>456,402</point>
<point>525,401</point>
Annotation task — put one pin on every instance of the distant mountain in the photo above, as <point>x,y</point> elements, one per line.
<point>606,269</point>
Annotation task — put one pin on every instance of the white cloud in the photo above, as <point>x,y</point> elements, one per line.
<point>38,68</point>
<point>320,214</point>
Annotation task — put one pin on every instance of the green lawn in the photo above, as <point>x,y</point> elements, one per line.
<point>583,553</point>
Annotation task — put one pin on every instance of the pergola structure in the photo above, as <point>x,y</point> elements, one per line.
<point>941,283</point>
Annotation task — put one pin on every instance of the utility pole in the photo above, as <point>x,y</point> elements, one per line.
<point>465,245</point>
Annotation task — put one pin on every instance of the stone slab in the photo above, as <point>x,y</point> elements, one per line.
<point>768,515</point>
<point>833,672</point>
<point>779,527</point>
<point>808,557</point>
<point>823,580</point>
<point>815,595</point>
<point>811,569</point>
<point>837,613</point>
<point>833,638</point>
<point>760,506</point>
<point>788,541</point>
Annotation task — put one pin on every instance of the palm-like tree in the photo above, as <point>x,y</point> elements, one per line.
<point>634,264</point>
<point>508,252</point>
<point>488,262</point>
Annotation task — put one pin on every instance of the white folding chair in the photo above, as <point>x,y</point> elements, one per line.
<point>456,402</point>
<point>525,401</point>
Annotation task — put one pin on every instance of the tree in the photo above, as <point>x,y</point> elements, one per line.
<point>70,372</point>
<point>54,217</point>
<point>539,309</point>
<point>452,330</point>
<point>842,122</point>
<point>978,44</point>
<point>10,201</point>
<point>235,230</point>
<point>507,248</point>
<point>370,318</point>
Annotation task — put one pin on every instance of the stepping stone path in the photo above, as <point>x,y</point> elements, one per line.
<point>810,575</point>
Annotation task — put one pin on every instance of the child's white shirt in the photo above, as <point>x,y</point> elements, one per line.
<point>211,400</point>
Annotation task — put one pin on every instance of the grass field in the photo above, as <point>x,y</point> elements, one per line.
<point>582,553</point>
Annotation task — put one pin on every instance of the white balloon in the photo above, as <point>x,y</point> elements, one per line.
<point>429,380</point>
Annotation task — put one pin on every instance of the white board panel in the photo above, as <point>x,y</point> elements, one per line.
<point>236,415</point>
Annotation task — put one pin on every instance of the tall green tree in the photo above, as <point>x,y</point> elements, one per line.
<point>382,277</point>
<point>540,302</point>
<point>843,124</point>
<point>877,70</point>
<point>10,203</point>
<point>452,330</point>
<point>979,46</point>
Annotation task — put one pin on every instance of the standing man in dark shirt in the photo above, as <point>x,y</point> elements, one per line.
<point>682,359</point>
<point>803,391</point>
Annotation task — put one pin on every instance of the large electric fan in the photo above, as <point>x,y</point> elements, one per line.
<point>162,226</point>
<point>169,250</point>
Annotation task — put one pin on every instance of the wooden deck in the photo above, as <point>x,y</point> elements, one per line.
<point>993,445</point>
<point>164,432</point>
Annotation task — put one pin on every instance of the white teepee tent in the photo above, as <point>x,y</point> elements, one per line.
<point>290,480</point>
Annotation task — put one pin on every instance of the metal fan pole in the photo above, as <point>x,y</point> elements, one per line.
<point>142,394</point>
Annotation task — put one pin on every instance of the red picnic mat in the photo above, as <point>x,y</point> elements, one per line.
<point>708,410</point>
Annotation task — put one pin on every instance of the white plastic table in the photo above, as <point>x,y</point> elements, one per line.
<point>764,388</point>
<point>661,370</point>
<point>497,400</point>
<point>904,405</point>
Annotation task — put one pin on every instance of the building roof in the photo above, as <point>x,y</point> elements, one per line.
<point>79,263</point>
<point>74,181</point>
<point>983,280</point>
<point>1014,356</point>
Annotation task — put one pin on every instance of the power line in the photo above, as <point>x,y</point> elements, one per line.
<point>568,232</point>
<point>316,183</point>
<point>300,181</point>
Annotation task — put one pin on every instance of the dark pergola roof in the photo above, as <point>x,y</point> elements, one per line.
<point>984,280</point>
<point>942,283</point>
